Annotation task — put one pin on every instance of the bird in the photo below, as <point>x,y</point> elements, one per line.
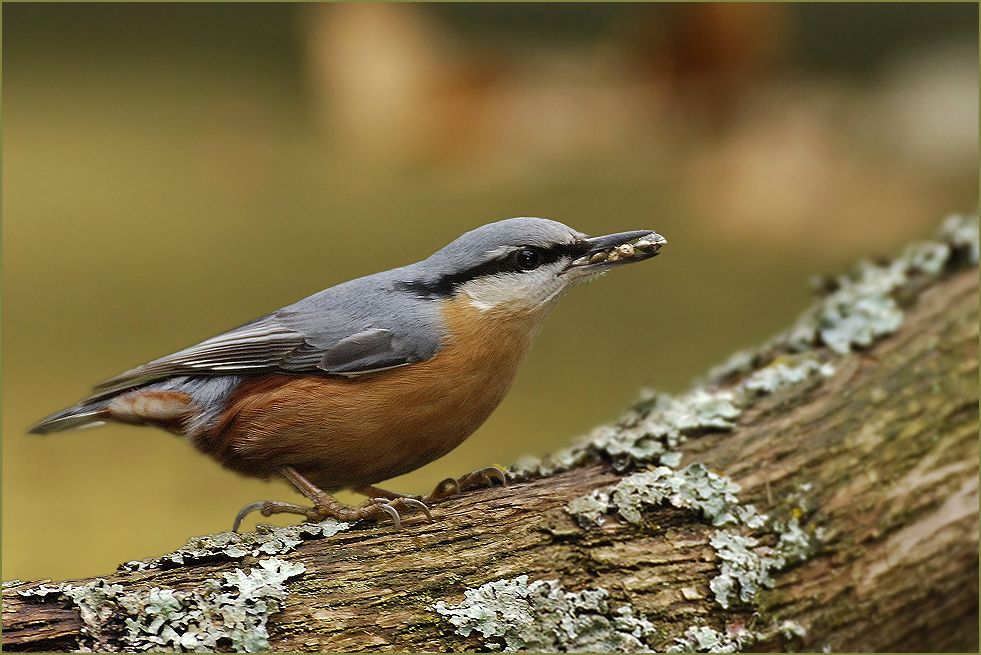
<point>371,378</point>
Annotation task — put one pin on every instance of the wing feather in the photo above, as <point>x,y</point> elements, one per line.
<point>270,346</point>
<point>255,346</point>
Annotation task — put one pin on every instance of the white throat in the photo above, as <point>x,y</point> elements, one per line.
<point>528,290</point>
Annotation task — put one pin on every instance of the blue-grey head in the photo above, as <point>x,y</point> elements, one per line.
<point>526,263</point>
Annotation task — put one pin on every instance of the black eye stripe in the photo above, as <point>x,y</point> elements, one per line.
<point>506,263</point>
<point>545,256</point>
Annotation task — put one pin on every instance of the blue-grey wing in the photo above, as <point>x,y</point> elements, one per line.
<point>304,338</point>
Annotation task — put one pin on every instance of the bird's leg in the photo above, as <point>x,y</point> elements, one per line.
<point>485,477</point>
<point>326,506</point>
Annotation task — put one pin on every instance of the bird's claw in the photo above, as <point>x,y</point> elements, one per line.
<point>270,507</point>
<point>419,505</point>
<point>488,475</point>
<point>385,505</point>
<point>485,477</point>
<point>245,511</point>
<point>444,489</point>
<point>389,507</point>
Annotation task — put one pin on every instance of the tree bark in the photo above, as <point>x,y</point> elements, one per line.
<point>883,452</point>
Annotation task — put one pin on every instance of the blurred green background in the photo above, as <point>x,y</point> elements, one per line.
<point>173,170</point>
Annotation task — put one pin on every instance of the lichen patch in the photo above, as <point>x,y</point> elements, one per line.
<point>647,434</point>
<point>961,233</point>
<point>230,613</point>
<point>791,630</point>
<point>266,540</point>
<point>745,565</point>
<point>43,591</point>
<point>863,307</point>
<point>713,496</point>
<point>704,639</point>
<point>785,372</point>
<point>515,614</point>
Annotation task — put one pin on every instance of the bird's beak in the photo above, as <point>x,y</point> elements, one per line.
<point>604,252</point>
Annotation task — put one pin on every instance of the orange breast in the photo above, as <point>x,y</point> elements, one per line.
<point>342,432</point>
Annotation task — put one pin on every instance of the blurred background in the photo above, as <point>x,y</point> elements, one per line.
<point>174,170</point>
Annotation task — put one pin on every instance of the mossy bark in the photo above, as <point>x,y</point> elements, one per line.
<point>882,456</point>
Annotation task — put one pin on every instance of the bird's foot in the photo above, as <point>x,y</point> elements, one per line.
<point>485,477</point>
<point>329,507</point>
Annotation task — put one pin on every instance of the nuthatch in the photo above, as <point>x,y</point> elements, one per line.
<point>371,378</point>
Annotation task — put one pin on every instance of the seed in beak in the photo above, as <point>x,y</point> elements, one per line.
<point>625,250</point>
<point>645,246</point>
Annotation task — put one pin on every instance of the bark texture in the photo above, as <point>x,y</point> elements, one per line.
<point>877,460</point>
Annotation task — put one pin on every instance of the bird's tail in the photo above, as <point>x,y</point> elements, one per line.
<point>86,413</point>
<point>163,405</point>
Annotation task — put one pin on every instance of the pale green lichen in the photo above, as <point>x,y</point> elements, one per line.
<point>794,544</point>
<point>858,312</point>
<point>864,306</point>
<point>590,508</point>
<point>784,372</point>
<point>266,540</point>
<point>693,487</point>
<point>748,567</point>
<point>791,630</point>
<point>647,435</point>
<point>42,591</point>
<point>220,614</point>
<point>930,257</point>
<point>961,232</point>
<point>744,565</point>
<point>859,322</point>
<point>672,419</point>
<point>703,639</point>
<point>515,614</point>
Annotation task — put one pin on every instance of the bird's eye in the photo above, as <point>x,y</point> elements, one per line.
<point>527,259</point>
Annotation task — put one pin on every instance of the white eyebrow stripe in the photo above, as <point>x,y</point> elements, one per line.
<point>500,251</point>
